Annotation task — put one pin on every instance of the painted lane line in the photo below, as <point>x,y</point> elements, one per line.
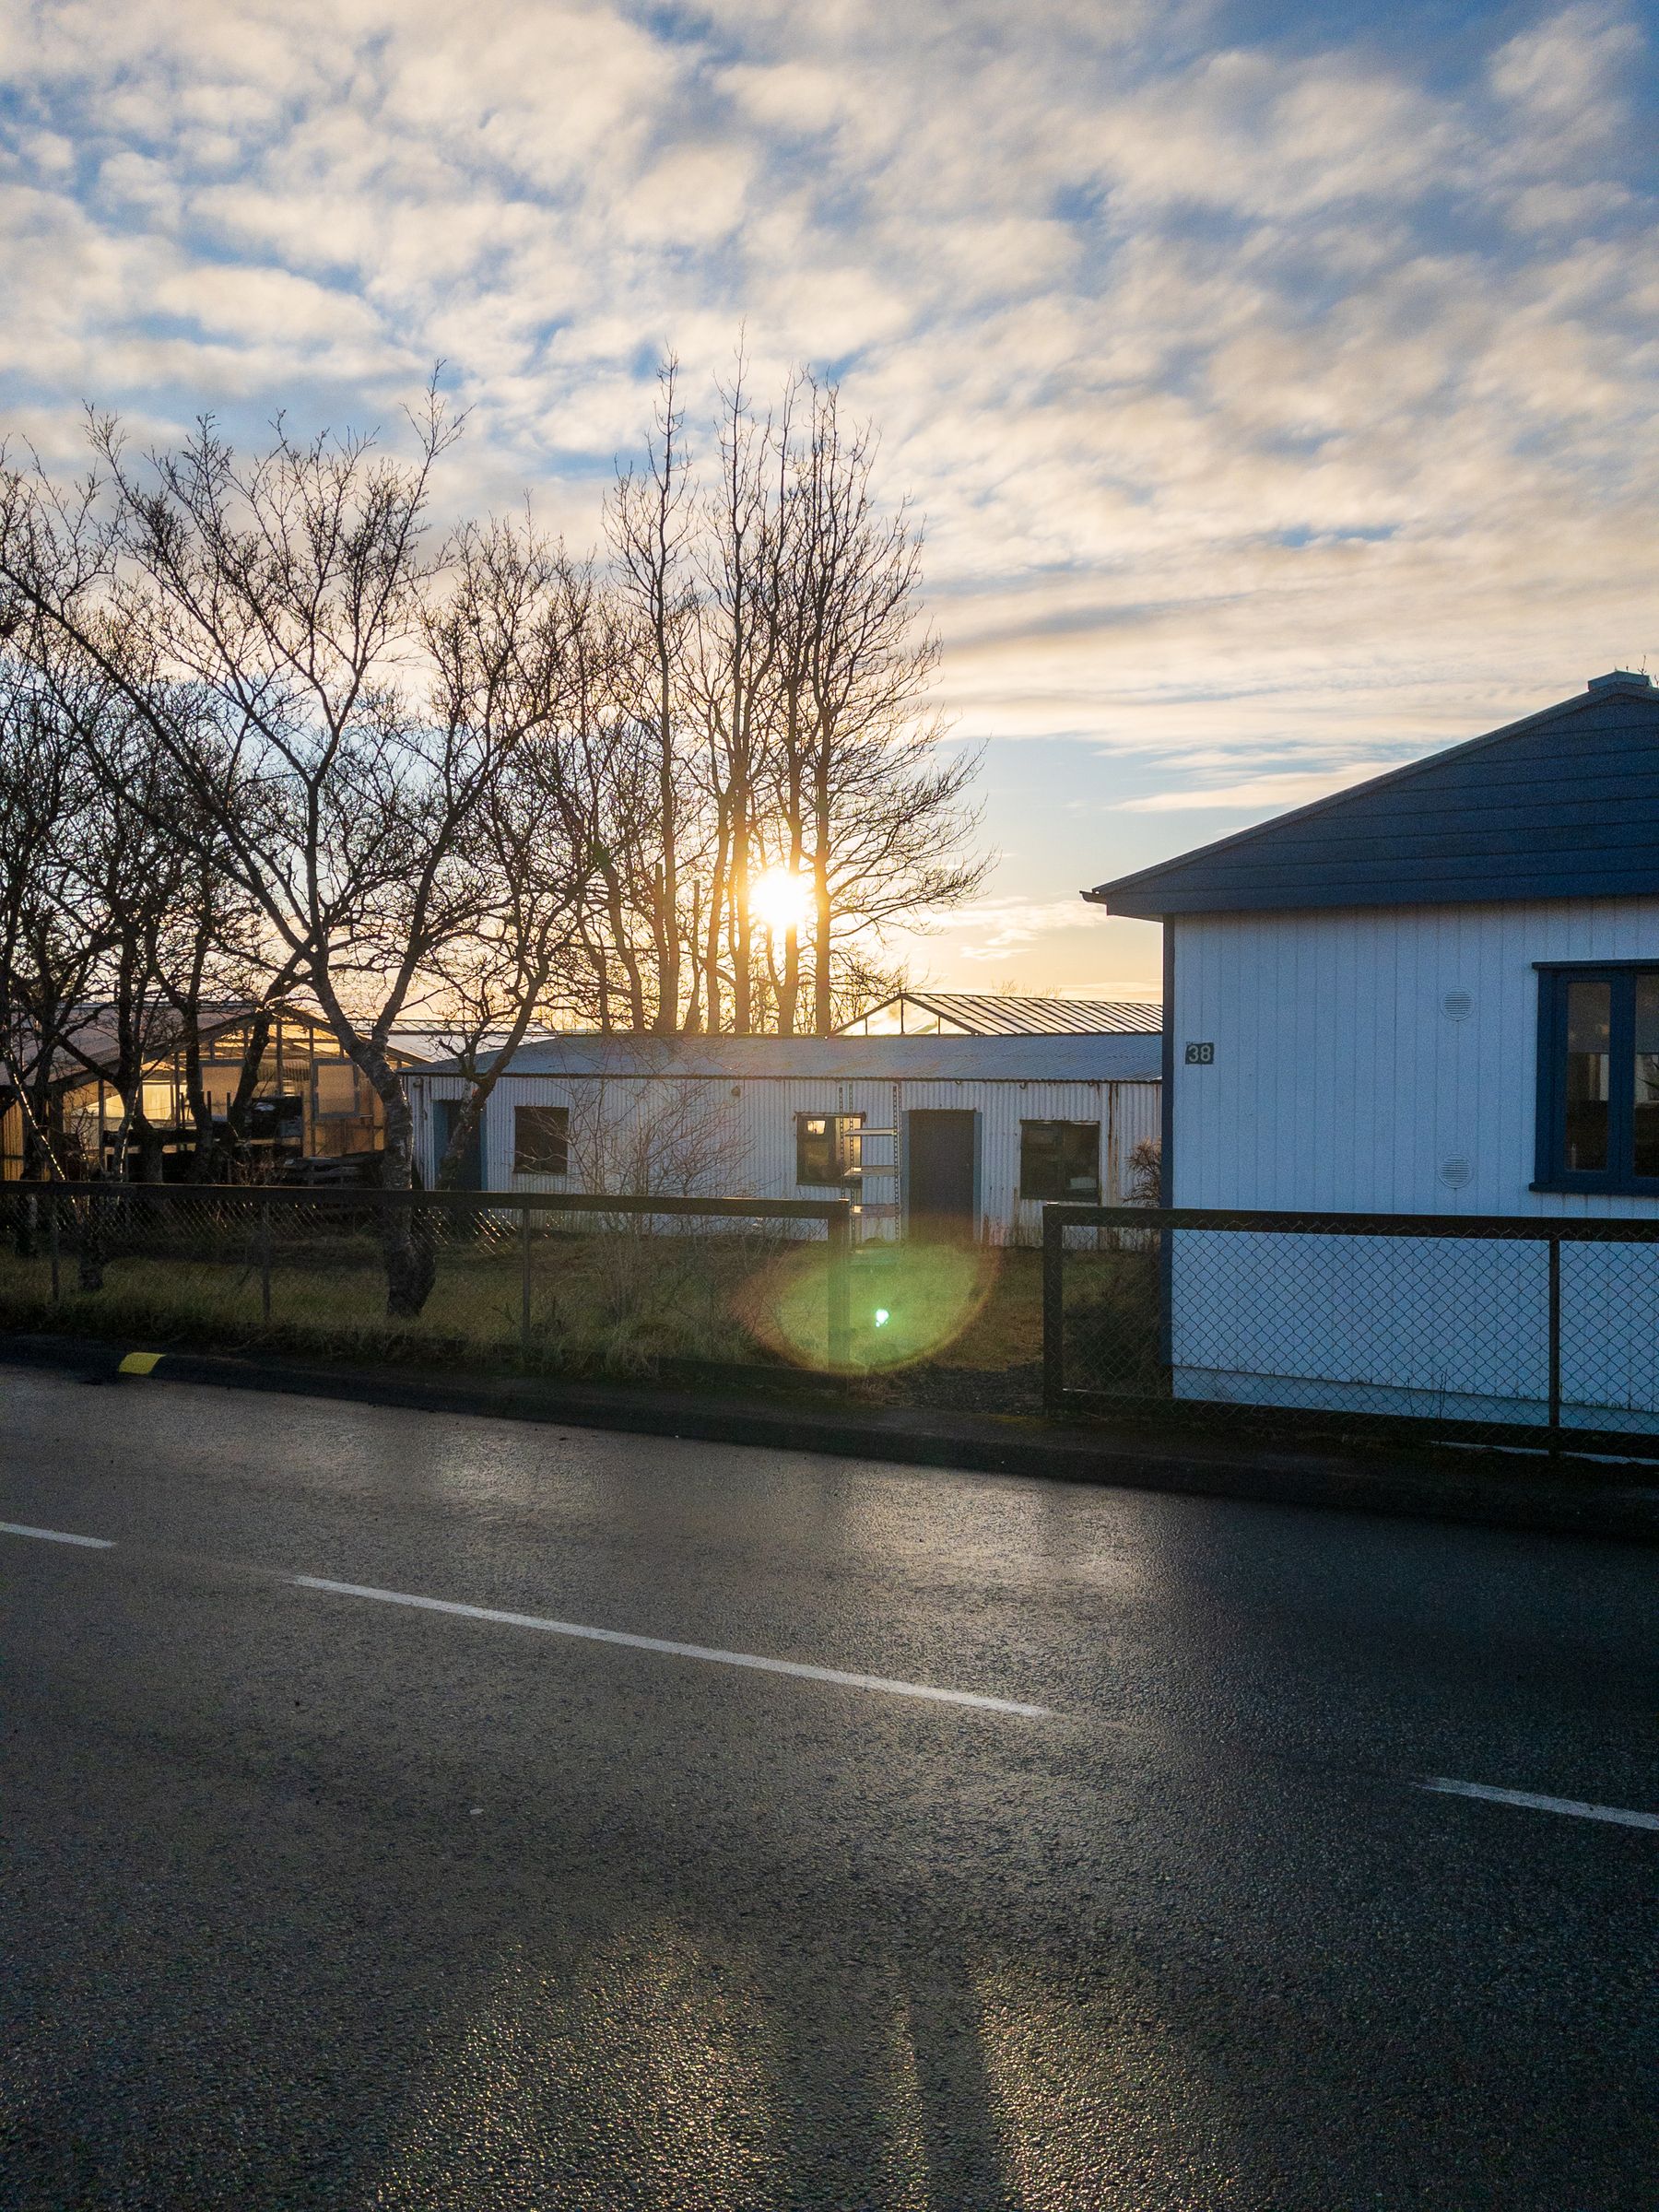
<point>679,1650</point>
<point>1619,1814</point>
<point>56,1536</point>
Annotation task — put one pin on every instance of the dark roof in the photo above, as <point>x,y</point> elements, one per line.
<point>1564,805</point>
<point>994,1014</point>
<point>1089,1058</point>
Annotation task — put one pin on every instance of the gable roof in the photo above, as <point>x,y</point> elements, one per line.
<point>995,1013</point>
<point>1563,805</point>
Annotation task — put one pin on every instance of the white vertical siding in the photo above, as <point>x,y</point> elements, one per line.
<point>756,1155</point>
<point>1341,1085</point>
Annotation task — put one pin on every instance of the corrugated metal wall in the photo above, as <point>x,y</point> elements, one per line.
<point>1341,1082</point>
<point>737,1138</point>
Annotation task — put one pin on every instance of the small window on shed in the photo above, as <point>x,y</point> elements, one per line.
<point>1060,1159</point>
<point>541,1140</point>
<point>826,1146</point>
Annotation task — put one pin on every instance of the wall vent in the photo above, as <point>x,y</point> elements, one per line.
<point>1456,1171</point>
<point>1457,1005</point>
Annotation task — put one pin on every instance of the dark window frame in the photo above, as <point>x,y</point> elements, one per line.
<point>833,1139</point>
<point>1619,1178</point>
<point>1066,1192</point>
<point>560,1138</point>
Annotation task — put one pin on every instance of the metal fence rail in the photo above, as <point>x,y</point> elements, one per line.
<point>553,1280</point>
<point>1519,1330</point>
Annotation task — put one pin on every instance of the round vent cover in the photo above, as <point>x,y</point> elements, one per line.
<point>1457,1005</point>
<point>1456,1171</point>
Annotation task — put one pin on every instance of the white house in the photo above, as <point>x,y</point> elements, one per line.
<point>1434,994</point>
<point>972,1133</point>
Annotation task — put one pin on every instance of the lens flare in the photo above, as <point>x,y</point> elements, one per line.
<point>910,1302</point>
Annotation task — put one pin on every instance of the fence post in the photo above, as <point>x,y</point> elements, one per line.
<point>52,1243</point>
<point>839,1225</point>
<point>1053,1310</point>
<point>1555,1345</point>
<point>524,1305</point>
<point>265,1258</point>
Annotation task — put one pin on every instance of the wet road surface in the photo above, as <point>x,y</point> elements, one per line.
<point>1070,1850</point>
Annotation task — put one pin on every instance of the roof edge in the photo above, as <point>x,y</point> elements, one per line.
<point>1102,894</point>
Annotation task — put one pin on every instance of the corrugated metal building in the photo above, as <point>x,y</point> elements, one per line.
<point>976,1131</point>
<point>999,1013</point>
<point>1436,992</point>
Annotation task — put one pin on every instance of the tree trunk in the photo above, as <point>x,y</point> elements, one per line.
<point>407,1245</point>
<point>822,975</point>
<point>247,1082</point>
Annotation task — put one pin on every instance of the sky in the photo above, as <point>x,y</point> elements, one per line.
<point>1276,382</point>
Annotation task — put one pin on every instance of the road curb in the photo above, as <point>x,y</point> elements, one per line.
<point>1491,1492</point>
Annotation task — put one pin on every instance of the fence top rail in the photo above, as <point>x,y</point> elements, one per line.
<point>1541,1229</point>
<point>828,1210</point>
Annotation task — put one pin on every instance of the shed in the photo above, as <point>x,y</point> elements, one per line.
<point>1436,993</point>
<point>975,1133</point>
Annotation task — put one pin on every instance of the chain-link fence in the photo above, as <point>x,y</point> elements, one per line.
<point>1525,1330</point>
<point>552,1283</point>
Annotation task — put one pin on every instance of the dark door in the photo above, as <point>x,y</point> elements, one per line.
<point>940,1167</point>
<point>471,1176</point>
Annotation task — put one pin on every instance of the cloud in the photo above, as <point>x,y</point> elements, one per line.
<point>1263,793</point>
<point>1276,399</point>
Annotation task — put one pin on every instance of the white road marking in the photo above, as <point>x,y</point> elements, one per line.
<point>1534,1802</point>
<point>680,1651</point>
<point>56,1536</point>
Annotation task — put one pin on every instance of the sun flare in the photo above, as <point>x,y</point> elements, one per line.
<point>780,899</point>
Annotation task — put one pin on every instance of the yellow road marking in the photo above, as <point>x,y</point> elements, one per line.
<point>140,1363</point>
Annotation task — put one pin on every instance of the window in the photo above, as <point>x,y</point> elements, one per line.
<point>337,1091</point>
<point>1599,1079</point>
<point>826,1146</point>
<point>1060,1159</point>
<point>541,1140</point>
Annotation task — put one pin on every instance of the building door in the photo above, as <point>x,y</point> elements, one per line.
<point>471,1176</point>
<point>939,1173</point>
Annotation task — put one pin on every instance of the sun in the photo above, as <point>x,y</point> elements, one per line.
<point>780,899</point>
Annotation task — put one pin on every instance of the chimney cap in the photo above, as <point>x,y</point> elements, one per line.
<point>1622,679</point>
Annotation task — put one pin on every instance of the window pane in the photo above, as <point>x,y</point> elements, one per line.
<point>1589,1023</point>
<point>336,1088</point>
<point>815,1148</point>
<point>1082,1161</point>
<point>540,1140</point>
<point>826,1151</point>
<point>1060,1159</point>
<point>1646,1099</point>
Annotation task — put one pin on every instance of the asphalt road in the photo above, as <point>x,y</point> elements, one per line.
<point>313,1898</point>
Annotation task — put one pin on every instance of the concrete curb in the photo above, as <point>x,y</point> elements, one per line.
<point>1492,1490</point>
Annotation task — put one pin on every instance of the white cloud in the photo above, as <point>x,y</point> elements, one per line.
<point>1263,402</point>
<point>1261,792</point>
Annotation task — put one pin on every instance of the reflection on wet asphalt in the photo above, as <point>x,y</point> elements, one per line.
<point>312,1901</point>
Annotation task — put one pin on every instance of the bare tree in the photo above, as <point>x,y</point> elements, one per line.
<point>650,521</point>
<point>887,820</point>
<point>340,771</point>
<point>48,956</point>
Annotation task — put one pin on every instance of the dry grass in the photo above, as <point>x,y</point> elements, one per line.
<point>617,1305</point>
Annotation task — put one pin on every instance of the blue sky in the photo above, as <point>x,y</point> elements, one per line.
<point>1277,382</point>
